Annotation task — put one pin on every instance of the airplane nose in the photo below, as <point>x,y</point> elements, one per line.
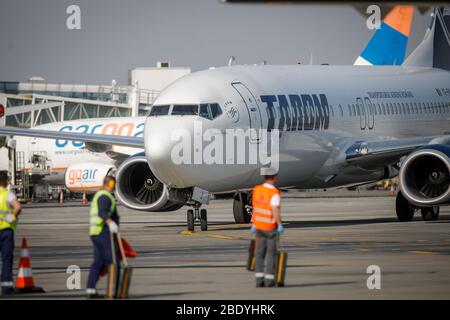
<point>158,149</point>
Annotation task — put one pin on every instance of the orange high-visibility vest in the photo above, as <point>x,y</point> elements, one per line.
<point>263,218</point>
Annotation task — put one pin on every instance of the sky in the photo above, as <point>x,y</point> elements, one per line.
<point>117,35</point>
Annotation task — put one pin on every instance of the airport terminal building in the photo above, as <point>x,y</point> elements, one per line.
<point>37,102</point>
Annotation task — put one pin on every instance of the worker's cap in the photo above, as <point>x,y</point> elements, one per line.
<point>269,171</point>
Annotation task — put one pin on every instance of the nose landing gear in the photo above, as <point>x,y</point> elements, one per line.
<point>196,199</point>
<point>197,214</point>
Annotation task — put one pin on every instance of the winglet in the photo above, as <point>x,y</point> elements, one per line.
<point>388,44</point>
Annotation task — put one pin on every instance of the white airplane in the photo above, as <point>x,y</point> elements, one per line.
<point>82,167</point>
<point>336,126</point>
<point>77,165</point>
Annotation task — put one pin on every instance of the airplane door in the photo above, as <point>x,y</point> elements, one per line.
<point>370,114</point>
<point>252,108</point>
<point>362,113</point>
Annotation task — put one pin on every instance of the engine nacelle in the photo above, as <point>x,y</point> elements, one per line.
<point>137,187</point>
<point>86,176</point>
<point>425,176</point>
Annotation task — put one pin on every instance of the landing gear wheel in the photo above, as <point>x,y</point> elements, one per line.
<point>239,208</point>
<point>190,220</point>
<point>430,214</point>
<point>405,211</point>
<point>203,220</point>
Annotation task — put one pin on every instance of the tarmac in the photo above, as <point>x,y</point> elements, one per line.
<point>331,239</point>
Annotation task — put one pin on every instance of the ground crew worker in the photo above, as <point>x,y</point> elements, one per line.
<point>266,226</point>
<point>9,211</point>
<point>104,220</point>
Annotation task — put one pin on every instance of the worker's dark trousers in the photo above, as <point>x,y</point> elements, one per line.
<point>102,256</point>
<point>266,249</point>
<point>7,248</point>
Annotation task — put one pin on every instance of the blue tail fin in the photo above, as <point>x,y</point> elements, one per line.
<point>388,45</point>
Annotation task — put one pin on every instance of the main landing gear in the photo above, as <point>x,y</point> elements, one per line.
<point>405,210</point>
<point>242,209</point>
<point>197,214</point>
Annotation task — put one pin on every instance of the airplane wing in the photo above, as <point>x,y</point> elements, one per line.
<point>98,139</point>
<point>377,153</point>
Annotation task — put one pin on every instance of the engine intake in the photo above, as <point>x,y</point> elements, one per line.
<point>138,188</point>
<point>425,176</point>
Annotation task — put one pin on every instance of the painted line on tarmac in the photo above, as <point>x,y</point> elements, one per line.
<point>232,226</point>
<point>212,235</point>
<point>423,252</point>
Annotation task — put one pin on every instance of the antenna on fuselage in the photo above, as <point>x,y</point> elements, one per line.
<point>231,61</point>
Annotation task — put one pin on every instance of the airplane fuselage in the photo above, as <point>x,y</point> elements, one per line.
<point>319,112</point>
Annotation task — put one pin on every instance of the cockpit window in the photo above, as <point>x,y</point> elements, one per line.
<point>210,111</point>
<point>159,111</point>
<point>184,110</point>
<point>207,110</point>
<point>215,110</point>
<point>204,111</point>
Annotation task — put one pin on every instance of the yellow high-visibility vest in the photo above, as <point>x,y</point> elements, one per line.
<point>5,210</point>
<point>97,223</point>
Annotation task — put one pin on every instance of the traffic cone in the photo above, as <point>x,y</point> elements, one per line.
<point>128,250</point>
<point>392,191</point>
<point>24,281</point>
<point>84,199</point>
<point>61,197</point>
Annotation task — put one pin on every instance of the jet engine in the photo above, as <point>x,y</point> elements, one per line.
<point>425,176</point>
<point>137,187</point>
